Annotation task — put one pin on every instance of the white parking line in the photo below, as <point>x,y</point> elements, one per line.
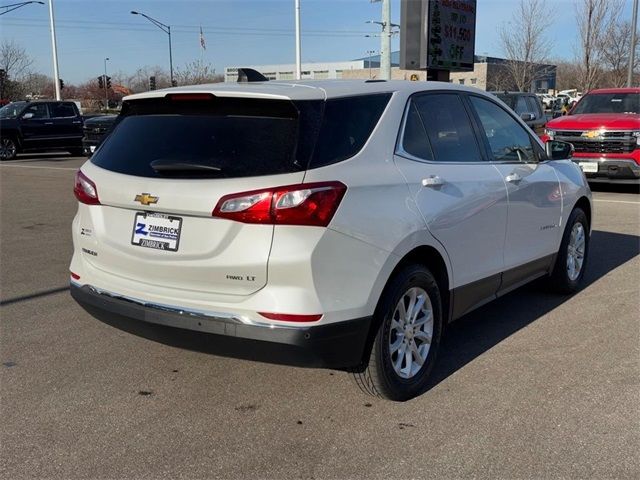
<point>36,166</point>
<point>615,201</point>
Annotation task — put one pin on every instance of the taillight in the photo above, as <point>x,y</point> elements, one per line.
<point>287,317</point>
<point>312,204</point>
<point>85,190</point>
<point>75,276</point>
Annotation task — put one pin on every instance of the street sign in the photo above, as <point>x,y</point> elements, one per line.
<point>438,34</point>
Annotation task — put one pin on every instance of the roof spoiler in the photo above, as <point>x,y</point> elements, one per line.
<point>250,75</point>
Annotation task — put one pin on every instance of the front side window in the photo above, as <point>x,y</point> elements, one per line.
<point>448,128</point>
<point>521,105</point>
<point>508,140</point>
<point>37,110</point>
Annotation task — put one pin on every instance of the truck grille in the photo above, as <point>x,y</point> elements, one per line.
<point>603,147</point>
<point>606,142</point>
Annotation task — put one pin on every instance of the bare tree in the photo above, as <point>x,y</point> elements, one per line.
<point>615,53</point>
<point>35,85</point>
<point>196,73</point>
<point>15,62</point>
<point>567,74</point>
<point>594,18</point>
<point>525,44</point>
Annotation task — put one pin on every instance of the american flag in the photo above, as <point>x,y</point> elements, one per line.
<point>202,43</point>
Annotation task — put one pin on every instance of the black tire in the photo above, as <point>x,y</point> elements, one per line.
<point>561,281</point>
<point>377,376</point>
<point>8,148</point>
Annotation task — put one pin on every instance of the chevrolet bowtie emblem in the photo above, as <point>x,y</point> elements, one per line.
<point>146,199</point>
<point>591,134</point>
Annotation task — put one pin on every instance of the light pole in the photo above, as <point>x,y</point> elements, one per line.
<point>106,91</point>
<point>14,6</point>
<point>54,48</point>
<point>370,52</point>
<point>298,42</point>
<point>634,27</point>
<point>166,29</point>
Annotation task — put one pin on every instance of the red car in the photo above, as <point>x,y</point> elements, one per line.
<point>604,128</point>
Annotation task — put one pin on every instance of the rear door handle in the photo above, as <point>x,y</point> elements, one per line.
<point>48,123</point>
<point>513,178</point>
<point>433,181</point>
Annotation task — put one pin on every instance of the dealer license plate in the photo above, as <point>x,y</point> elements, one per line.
<point>589,167</point>
<point>156,230</point>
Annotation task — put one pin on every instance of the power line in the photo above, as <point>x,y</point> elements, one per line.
<point>93,25</point>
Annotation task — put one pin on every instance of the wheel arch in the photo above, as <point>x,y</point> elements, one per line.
<point>14,135</point>
<point>434,260</point>
<point>584,204</point>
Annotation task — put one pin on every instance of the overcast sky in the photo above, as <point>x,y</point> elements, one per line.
<point>236,32</point>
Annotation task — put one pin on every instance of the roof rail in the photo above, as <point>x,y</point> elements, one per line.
<point>250,75</point>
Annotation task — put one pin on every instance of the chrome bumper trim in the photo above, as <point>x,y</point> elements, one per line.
<point>200,314</point>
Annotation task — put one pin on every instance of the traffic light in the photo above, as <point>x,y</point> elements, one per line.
<point>61,83</point>
<point>174,83</point>
<point>100,82</point>
<point>108,82</point>
<point>152,83</point>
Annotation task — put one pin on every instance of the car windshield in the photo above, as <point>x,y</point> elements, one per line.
<point>609,103</point>
<point>12,110</point>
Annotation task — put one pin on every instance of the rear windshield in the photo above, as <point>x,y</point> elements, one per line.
<point>608,103</point>
<point>205,138</point>
<point>226,137</point>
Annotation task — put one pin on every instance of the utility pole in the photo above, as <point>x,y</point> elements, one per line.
<point>385,41</point>
<point>298,42</point>
<point>632,54</point>
<point>54,47</point>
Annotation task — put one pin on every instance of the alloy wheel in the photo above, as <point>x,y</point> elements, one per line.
<point>575,251</point>
<point>411,332</point>
<point>7,149</point>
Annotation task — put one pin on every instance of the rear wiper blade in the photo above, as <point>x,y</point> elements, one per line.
<point>169,165</point>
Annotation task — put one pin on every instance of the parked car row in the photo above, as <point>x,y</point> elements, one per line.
<point>47,125</point>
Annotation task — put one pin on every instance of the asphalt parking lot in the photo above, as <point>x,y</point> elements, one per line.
<point>531,386</point>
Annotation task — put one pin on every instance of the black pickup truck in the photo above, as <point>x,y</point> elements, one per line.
<point>40,125</point>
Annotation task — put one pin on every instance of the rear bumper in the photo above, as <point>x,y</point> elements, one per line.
<point>335,345</point>
<point>611,170</point>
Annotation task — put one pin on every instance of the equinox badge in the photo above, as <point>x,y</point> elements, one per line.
<point>146,199</point>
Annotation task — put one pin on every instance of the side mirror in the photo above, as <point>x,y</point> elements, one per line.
<point>27,116</point>
<point>557,150</point>
<point>528,117</point>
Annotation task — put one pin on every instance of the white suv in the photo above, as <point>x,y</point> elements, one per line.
<point>337,224</point>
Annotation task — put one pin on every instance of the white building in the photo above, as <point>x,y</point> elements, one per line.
<point>317,71</point>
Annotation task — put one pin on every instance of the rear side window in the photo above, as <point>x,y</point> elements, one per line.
<point>212,138</point>
<point>347,124</point>
<point>448,128</point>
<point>61,110</point>
<point>414,139</point>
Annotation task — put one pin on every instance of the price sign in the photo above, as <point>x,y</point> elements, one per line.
<point>451,33</point>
